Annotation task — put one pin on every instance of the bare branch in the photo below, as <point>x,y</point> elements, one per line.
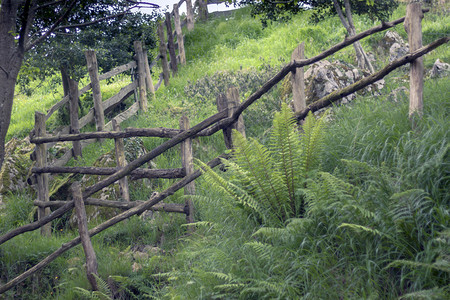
<point>93,22</point>
<point>48,4</point>
<point>143,4</point>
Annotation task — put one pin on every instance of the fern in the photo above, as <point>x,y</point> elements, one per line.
<point>267,179</point>
<point>104,291</point>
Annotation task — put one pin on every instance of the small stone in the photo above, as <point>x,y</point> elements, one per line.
<point>440,69</point>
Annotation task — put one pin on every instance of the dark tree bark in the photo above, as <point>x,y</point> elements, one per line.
<point>11,58</point>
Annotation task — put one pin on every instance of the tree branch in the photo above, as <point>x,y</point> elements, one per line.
<point>48,4</point>
<point>93,22</point>
<point>55,25</point>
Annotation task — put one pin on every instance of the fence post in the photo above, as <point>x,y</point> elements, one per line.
<point>188,164</point>
<point>141,75</point>
<point>298,81</point>
<point>91,259</point>
<point>42,178</point>
<point>92,67</point>
<point>73,112</point>
<point>171,44</point>
<point>230,101</point>
<point>189,15</point>
<point>180,39</point>
<point>163,54</point>
<point>121,162</point>
<point>148,76</point>
<point>413,27</point>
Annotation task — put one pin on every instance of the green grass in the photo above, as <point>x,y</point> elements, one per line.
<point>383,237</point>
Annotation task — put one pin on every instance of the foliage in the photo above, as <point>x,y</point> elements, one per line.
<point>113,42</point>
<point>283,11</point>
<point>265,180</point>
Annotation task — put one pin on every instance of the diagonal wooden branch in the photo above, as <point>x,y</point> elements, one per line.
<point>339,94</point>
<point>35,225</point>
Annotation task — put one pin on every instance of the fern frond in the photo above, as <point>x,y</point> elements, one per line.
<point>84,293</point>
<point>285,147</point>
<point>359,228</point>
<point>266,182</point>
<point>434,293</point>
<point>312,143</point>
<point>199,224</point>
<point>230,287</point>
<point>264,251</point>
<point>103,288</point>
<point>440,265</point>
<point>221,276</point>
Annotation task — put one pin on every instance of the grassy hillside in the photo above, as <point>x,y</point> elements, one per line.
<point>374,219</point>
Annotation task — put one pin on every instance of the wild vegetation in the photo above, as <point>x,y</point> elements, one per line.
<point>354,205</point>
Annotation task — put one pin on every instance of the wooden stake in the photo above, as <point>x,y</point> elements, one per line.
<point>413,27</point>
<point>91,259</point>
<point>121,162</point>
<point>297,79</point>
<point>73,111</point>
<point>187,162</point>
<point>163,54</point>
<point>180,39</point>
<point>92,67</point>
<point>148,77</point>
<point>230,101</point>
<point>189,15</point>
<point>171,44</point>
<point>42,179</point>
<point>141,74</point>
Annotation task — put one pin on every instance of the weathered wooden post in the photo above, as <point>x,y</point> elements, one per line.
<point>42,178</point>
<point>187,162</point>
<point>163,54</point>
<point>92,67</point>
<point>298,81</point>
<point>203,10</point>
<point>189,15</point>
<point>141,76</point>
<point>121,162</point>
<point>91,259</point>
<point>148,77</point>
<point>180,39</point>
<point>230,100</point>
<point>171,44</point>
<point>73,113</point>
<point>413,27</point>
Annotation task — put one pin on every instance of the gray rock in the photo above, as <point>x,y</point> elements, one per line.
<point>324,77</point>
<point>398,50</point>
<point>440,69</point>
<point>16,166</point>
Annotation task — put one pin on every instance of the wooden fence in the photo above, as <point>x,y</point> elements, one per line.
<point>226,118</point>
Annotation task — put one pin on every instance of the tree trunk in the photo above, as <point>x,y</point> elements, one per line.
<point>11,57</point>
<point>347,22</point>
